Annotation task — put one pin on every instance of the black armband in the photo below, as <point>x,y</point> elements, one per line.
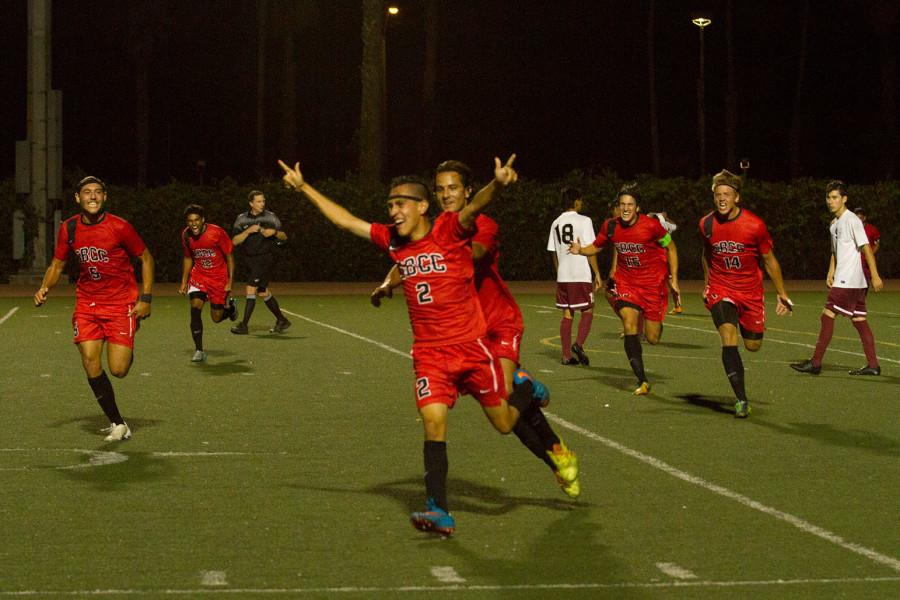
<point>148,298</point>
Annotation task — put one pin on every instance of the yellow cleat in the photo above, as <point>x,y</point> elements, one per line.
<point>643,389</point>
<point>566,464</point>
<point>572,489</point>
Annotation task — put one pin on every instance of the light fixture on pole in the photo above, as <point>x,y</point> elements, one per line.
<point>701,22</point>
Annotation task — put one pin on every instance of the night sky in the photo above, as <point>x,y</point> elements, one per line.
<point>563,84</point>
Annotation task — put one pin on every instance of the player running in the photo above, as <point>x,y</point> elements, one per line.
<point>107,305</point>
<point>646,264</point>
<point>207,273</point>
<point>735,242</point>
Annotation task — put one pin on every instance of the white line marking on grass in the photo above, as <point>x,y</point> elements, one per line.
<point>453,588</point>
<point>9,313</point>
<point>213,578</point>
<point>888,561</point>
<point>673,570</point>
<point>351,334</point>
<point>446,575</point>
<point>96,458</point>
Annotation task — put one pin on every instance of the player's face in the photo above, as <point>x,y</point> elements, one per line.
<point>258,204</point>
<point>835,201</point>
<point>450,191</point>
<point>628,208</point>
<point>407,209</point>
<point>726,200</point>
<point>195,222</point>
<point>91,198</point>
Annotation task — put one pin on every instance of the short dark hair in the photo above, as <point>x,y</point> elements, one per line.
<point>194,209</point>
<point>859,210</point>
<point>458,167</point>
<point>569,195</point>
<point>412,180</point>
<point>836,184</point>
<point>90,179</point>
<point>253,194</point>
<point>726,177</point>
<point>630,189</point>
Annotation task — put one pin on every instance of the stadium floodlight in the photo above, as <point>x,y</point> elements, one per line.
<point>701,22</point>
<point>393,10</point>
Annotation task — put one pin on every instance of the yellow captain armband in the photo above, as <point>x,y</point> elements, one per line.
<point>665,240</point>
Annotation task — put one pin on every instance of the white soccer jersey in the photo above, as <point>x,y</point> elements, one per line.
<point>669,227</point>
<point>569,226</point>
<point>848,236</point>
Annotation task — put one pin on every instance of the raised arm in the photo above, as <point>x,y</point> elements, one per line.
<point>504,175</point>
<point>332,211</point>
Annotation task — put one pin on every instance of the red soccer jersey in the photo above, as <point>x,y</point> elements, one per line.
<point>734,249</point>
<point>642,259</point>
<point>104,250</point>
<point>497,302</point>
<point>438,275</point>
<point>208,251</point>
<point>874,235</point>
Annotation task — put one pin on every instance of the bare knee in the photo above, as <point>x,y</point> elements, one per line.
<point>119,372</point>
<point>753,345</point>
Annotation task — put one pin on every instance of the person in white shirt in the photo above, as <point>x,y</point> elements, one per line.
<point>577,277</point>
<point>847,283</point>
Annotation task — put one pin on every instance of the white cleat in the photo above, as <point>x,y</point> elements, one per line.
<point>199,356</point>
<point>118,433</point>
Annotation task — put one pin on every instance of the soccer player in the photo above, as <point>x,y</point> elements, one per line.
<point>258,231</point>
<point>108,308</point>
<point>449,352</point>
<point>453,189</point>
<point>847,283</point>
<point>874,241</point>
<point>646,263</point>
<point>575,285</point>
<point>735,241</point>
<point>207,272</point>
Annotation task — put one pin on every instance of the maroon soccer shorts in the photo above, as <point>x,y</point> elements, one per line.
<point>108,322</point>
<point>575,295</point>
<point>443,372</point>
<point>214,290</point>
<point>850,302</point>
<point>751,308</point>
<point>653,300</point>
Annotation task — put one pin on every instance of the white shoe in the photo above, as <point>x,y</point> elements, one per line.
<point>118,433</point>
<point>199,356</point>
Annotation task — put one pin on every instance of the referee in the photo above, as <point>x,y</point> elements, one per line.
<point>257,232</point>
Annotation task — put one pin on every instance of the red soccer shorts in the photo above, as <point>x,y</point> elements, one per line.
<point>442,372</point>
<point>104,322</point>
<point>850,302</point>
<point>575,295</point>
<point>214,290</point>
<point>751,308</point>
<point>653,300</point>
<point>504,343</point>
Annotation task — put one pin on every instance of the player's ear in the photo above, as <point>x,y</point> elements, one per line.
<point>423,207</point>
<point>469,191</point>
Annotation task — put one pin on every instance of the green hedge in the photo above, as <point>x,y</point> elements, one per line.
<point>316,251</point>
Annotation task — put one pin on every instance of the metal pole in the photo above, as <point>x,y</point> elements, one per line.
<point>701,106</point>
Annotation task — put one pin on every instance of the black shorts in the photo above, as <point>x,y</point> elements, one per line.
<point>258,268</point>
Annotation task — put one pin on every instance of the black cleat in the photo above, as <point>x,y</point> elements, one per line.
<point>570,361</point>
<point>867,370</point>
<point>578,351</point>
<point>807,367</point>
<point>240,329</point>
<point>231,311</point>
<point>280,326</point>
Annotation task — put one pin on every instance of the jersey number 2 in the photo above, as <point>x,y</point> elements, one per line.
<point>423,293</point>
<point>422,390</point>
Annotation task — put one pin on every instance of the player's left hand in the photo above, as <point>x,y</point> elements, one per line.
<point>877,283</point>
<point>382,291</point>
<point>575,247</point>
<point>784,306</point>
<point>268,232</point>
<point>673,283</point>
<point>141,310</point>
<point>504,174</point>
<point>292,176</point>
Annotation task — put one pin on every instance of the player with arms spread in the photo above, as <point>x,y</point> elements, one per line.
<point>449,351</point>
<point>646,264</point>
<point>734,242</point>
<point>107,305</point>
<point>207,272</point>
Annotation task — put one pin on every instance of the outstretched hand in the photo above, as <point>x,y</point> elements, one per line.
<point>293,178</point>
<point>505,174</point>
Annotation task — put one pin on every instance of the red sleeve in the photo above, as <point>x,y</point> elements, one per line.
<point>601,239</point>
<point>61,252</point>
<point>225,242</point>
<point>380,235</point>
<point>658,228</point>
<point>486,233</point>
<point>875,235</point>
<point>765,243</point>
<point>131,241</point>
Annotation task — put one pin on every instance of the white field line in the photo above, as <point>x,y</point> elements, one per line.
<point>452,588</point>
<point>213,578</point>
<point>673,570</point>
<point>797,522</point>
<point>768,338</point>
<point>8,314</point>
<point>446,575</point>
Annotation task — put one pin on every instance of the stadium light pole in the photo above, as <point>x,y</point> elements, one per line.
<point>702,23</point>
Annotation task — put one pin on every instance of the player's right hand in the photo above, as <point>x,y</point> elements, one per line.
<point>41,296</point>
<point>292,176</point>
<point>784,306</point>
<point>382,291</point>
<point>575,247</point>
<point>183,289</point>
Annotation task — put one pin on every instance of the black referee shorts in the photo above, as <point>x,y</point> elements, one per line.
<point>258,268</point>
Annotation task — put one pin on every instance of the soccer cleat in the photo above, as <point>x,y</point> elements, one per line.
<point>676,311</point>
<point>807,367</point>
<point>199,356</point>
<point>565,464</point>
<point>232,310</point>
<point>240,329</point>
<point>578,351</point>
<point>867,370</point>
<point>572,489</point>
<point>434,519</point>
<point>280,326</point>
<point>741,409</point>
<point>642,389</point>
<point>118,432</point>
<point>570,361</point>
<point>539,391</point>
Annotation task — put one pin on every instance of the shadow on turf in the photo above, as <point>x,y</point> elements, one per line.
<point>94,423</point>
<point>139,468</point>
<point>212,366</point>
<point>720,404</point>
<point>825,433</point>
